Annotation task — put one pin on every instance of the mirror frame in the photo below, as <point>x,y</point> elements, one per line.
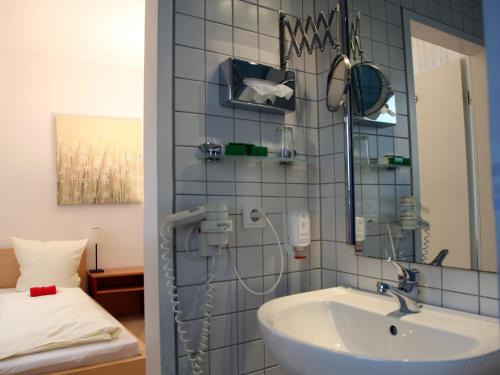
<point>339,59</point>
<point>348,150</point>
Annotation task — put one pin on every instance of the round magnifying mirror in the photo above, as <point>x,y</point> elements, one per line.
<point>370,89</point>
<point>339,79</point>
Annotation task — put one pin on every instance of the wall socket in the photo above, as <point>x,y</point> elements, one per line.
<point>253,217</point>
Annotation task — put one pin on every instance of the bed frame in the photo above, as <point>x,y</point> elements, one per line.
<point>9,273</point>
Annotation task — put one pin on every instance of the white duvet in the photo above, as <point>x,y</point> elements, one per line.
<point>35,324</point>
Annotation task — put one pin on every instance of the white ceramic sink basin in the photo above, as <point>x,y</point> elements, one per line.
<point>342,331</point>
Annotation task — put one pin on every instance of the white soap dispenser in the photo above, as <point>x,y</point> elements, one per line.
<point>297,232</point>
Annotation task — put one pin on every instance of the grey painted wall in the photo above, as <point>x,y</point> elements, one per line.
<point>492,30</point>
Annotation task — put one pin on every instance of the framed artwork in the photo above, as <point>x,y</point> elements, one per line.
<point>99,160</point>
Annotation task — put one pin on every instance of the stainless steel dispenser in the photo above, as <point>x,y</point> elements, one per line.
<point>251,85</point>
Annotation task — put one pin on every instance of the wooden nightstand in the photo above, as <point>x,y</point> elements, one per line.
<point>118,290</point>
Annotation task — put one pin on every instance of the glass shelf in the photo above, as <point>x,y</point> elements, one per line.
<point>215,152</point>
<point>376,165</point>
<point>366,122</point>
<point>281,160</point>
<point>285,161</point>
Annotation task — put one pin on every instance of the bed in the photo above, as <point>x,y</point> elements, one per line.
<point>123,355</point>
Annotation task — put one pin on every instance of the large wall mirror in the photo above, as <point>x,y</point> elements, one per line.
<point>420,141</point>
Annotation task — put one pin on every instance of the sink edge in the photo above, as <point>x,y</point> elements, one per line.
<point>330,293</point>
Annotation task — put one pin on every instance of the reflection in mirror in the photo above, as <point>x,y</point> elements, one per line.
<point>370,89</point>
<point>423,183</point>
<point>339,79</point>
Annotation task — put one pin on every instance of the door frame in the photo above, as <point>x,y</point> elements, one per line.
<point>158,189</point>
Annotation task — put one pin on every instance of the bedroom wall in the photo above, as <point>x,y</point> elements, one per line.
<point>80,57</point>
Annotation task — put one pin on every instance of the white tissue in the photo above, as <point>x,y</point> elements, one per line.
<point>260,90</point>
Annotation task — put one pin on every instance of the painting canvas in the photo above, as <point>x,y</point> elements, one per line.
<point>99,160</point>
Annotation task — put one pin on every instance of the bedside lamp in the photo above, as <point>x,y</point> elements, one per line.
<point>95,237</point>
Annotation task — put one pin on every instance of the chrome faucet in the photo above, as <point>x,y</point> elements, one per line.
<point>406,293</point>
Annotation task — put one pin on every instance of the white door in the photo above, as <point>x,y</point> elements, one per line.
<point>443,161</point>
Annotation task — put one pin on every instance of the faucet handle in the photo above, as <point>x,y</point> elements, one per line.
<point>404,274</point>
<point>410,281</point>
<point>438,261</point>
<point>408,277</point>
<point>401,271</point>
<point>413,275</point>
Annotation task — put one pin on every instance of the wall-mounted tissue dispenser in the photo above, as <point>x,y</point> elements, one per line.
<point>251,85</point>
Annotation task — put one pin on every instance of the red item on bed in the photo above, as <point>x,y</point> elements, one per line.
<point>43,290</point>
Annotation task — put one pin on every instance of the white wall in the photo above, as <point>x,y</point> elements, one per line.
<point>77,57</point>
<point>428,55</point>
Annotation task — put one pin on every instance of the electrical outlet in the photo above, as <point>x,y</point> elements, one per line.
<point>253,217</point>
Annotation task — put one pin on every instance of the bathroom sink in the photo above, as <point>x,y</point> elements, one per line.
<point>341,331</point>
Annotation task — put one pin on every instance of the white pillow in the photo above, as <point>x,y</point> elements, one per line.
<point>43,263</point>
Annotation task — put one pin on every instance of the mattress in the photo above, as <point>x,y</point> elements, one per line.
<point>124,346</point>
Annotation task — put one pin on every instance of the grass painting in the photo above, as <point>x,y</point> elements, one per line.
<point>99,160</point>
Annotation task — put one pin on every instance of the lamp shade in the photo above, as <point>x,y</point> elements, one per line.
<point>95,236</point>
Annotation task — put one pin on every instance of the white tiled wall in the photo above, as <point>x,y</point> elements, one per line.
<point>206,33</point>
<point>464,290</point>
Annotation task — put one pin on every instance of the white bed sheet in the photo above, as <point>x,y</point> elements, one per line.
<point>124,346</point>
<point>7,290</point>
